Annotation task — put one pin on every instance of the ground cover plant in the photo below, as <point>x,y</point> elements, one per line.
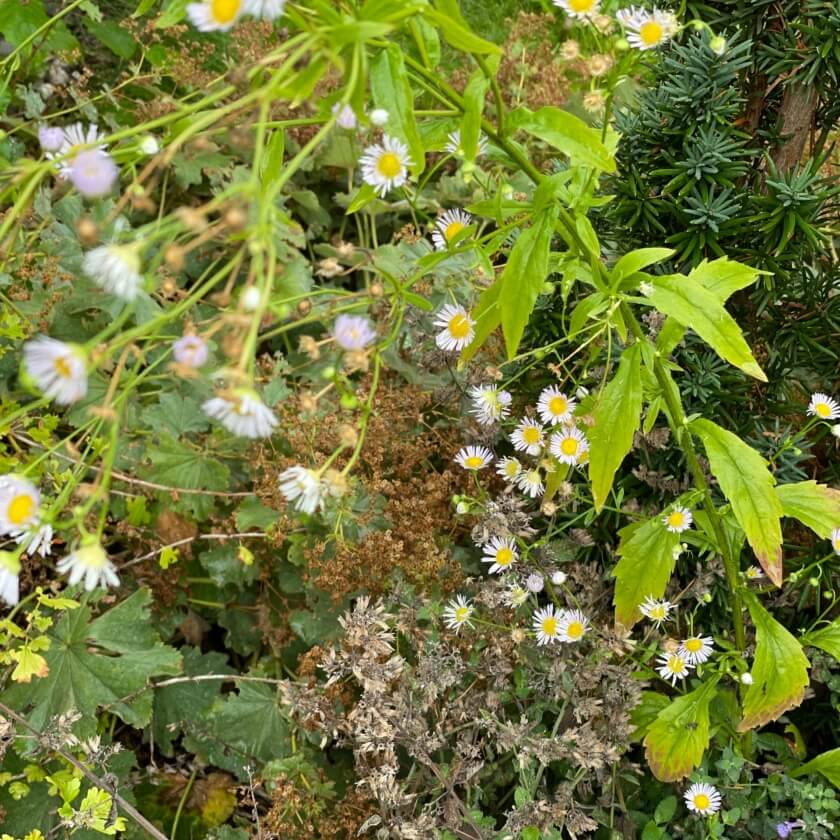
<point>419,420</point>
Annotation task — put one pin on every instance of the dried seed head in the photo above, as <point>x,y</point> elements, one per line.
<point>235,218</point>
<point>304,307</point>
<point>88,231</point>
<point>376,290</point>
<point>173,256</point>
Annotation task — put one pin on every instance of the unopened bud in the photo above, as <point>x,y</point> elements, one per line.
<point>348,435</point>
<point>235,218</point>
<point>173,256</point>
<point>304,307</point>
<point>462,508</point>
<point>87,230</point>
<point>376,290</point>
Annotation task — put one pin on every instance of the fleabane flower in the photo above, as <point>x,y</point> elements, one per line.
<point>63,141</point>
<point>516,596</point>
<point>673,667</point>
<point>574,625</point>
<point>385,165</point>
<point>835,540</point>
<point>345,116</point>
<point>89,563</point>
<point>554,407</point>
<point>546,624</point>
<point>448,226</point>
<point>58,369</point>
<point>489,403</point>
<point>508,468</point>
<point>215,15</point>
<point>191,351</point>
<point>756,573</point>
<point>51,138</point>
<point>93,173</point>
<point>530,482</point>
<point>657,611</point>
<point>823,407</point>
<point>501,553</point>
<point>116,269</point>
<point>678,520</point>
<point>696,649</point>
<point>303,487</point>
<point>353,332</point>
<point>474,457</point>
<point>242,412</point>
<point>457,328</point>
<point>453,144</point>
<point>37,539</point>
<point>579,8</point>
<point>528,437</point>
<point>9,578</point>
<point>645,29</point>
<point>703,799</point>
<point>458,613</point>
<point>569,446</point>
<point>265,9</point>
<point>19,502</point>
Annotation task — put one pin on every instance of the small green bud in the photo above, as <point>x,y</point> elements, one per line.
<point>462,508</point>
<point>539,353</point>
<point>284,311</point>
<point>814,581</point>
<point>349,401</point>
<point>718,45</point>
<point>328,372</point>
<point>548,288</point>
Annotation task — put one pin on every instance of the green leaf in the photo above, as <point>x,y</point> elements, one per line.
<point>178,466</point>
<point>252,513</point>
<point>176,414</point>
<point>636,260</point>
<point>665,810</point>
<point>814,505</point>
<point>111,35</point>
<point>779,670</point>
<point>617,415</point>
<point>675,743</point>
<point>828,764</point>
<point>825,638</point>
<point>487,317</point>
<point>523,277</point>
<point>690,303</point>
<point>474,94</point>
<point>749,486</point>
<point>644,714</point>
<point>646,552</point>
<point>447,17</point>
<point>361,198</point>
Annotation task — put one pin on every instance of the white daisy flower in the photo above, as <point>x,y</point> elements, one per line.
<point>385,166</point>
<point>835,540</point>
<point>242,412</point>
<point>457,328</point>
<point>116,269</point>
<point>656,611</point>
<point>516,596</point>
<point>754,573</point>
<point>554,407</point>
<point>89,562</point>
<point>59,369</point>
<point>703,799</point>
<point>696,649</point>
<point>528,437</point>
<point>501,553</point>
<point>9,578</point>
<point>35,540</point>
<point>448,226</point>
<point>574,625</point>
<point>569,445</point>
<point>474,457</point>
<point>645,29</point>
<point>489,403</point>
<point>530,483</point>
<point>823,407</point>
<point>453,146</point>
<point>535,583</point>
<point>578,8</point>
<point>353,332</point>
<point>546,624</point>
<point>678,520</point>
<point>508,468</point>
<point>215,15</point>
<point>72,137</point>
<point>458,613</point>
<point>303,487</point>
<point>19,502</point>
<point>345,116</point>
<point>265,9</point>
<point>191,351</point>
<point>673,667</point>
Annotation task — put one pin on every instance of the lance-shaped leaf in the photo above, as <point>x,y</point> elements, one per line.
<point>690,303</point>
<point>634,261</point>
<point>617,416</point>
<point>814,505</point>
<point>828,764</point>
<point>779,670</point>
<point>487,317</point>
<point>677,739</point>
<point>749,486</point>
<point>646,553</point>
<point>825,638</point>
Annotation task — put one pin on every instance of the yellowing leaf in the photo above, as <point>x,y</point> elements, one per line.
<point>168,557</point>
<point>779,670</point>
<point>30,664</point>
<point>814,505</point>
<point>749,486</point>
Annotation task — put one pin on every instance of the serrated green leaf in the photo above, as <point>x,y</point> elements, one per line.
<point>815,505</point>
<point>176,465</point>
<point>176,414</point>
<point>749,486</point>
<point>827,764</point>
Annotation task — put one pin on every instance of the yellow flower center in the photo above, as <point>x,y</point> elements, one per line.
<point>693,645</point>
<point>531,435</point>
<point>459,326</point>
<point>225,11</point>
<point>574,630</point>
<point>461,614</point>
<point>822,409</point>
<point>650,33</point>
<point>569,446</point>
<point>92,556</point>
<point>21,509</point>
<point>581,6</point>
<point>389,165</point>
<point>511,469</point>
<point>62,367</point>
<point>474,462</point>
<point>834,543</point>
<point>504,556</point>
<point>676,519</point>
<point>452,230</point>
<point>657,612</point>
<point>676,665</point>
<point>549,626</point>
<point>701,801</point>
<point>558,406</point>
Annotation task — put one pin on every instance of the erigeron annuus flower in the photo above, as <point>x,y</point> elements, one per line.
<point>823,407</point>
<point>19,503</point>
<point>508,468</point>
<point>656,610</point>
<point>71,138</point>
<point>489,403</point>
<point>191,351</point>
<point>530,482</point>
<point>385,166</point>
<point>755,573</point>
<point>116,269</point>
<point>569,446</point>
<point>703,799</point>
<point>835,540</point>
<point>241,412</point>
<point>448,226</point>
<point>535,583</point>
<point>673,667</point>
<point>574,625</point>
<point>696,649</point>
<point>516,596</point>
<point>51,138</point>
<point>578,8</point>
<point>554,407</point>
<point>546,624</point>
<point>93,173</point>
<point>215,15</point>
<point>474,457</point>
<point>678,520</point>
<point>265,9</point>
<point>457,328</point>
<point>353,332</point>
<point>528,437</point>
<point>458,613</point>
<point>89,563</point>
<point>501,553</point>
<point>453,145</point>
<point>645,29</point>
<point>303,487</point>
<point>9,578</point>
<point>57,368</point>
<point>345,116</point>
<point>37,539</point>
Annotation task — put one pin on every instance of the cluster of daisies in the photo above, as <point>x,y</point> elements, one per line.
<point>222,15</point>
<point>21,519</point>
<point>645,29</point>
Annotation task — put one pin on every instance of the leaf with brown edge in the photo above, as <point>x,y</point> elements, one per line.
<point>677,739</point>
<point>779,671</point>
<point>816,506</point>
